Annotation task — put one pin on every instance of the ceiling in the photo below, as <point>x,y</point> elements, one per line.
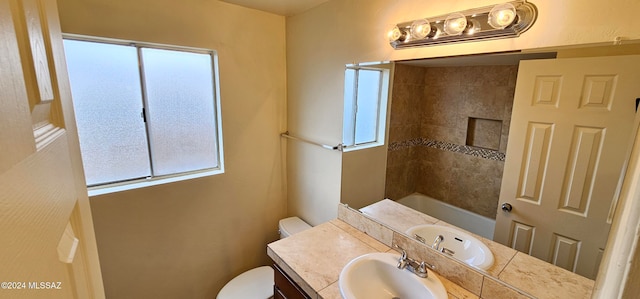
<point>279,7</point>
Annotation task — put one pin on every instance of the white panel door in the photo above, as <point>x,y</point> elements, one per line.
<point>46,234</point>
<point>570,137</point>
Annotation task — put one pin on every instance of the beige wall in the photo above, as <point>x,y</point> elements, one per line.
<point>321,41</point>
<point>358,193</point>
<point>187,239</point>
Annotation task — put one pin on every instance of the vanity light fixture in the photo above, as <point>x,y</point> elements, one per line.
<point>504,20</point>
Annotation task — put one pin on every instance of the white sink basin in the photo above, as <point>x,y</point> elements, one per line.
<point>376,276</point>
<point>458,244</point>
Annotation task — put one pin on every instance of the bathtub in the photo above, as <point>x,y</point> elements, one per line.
<point>475,223</point>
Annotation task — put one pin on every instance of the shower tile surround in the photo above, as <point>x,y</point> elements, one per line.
<point>435,112</point>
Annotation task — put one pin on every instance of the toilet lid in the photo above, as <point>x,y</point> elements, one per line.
<point>292,225</point>
<point>256,283</point>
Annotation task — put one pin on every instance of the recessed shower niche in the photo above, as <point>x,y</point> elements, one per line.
<point>484,133</point>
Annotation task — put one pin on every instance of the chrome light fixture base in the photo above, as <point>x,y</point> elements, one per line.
<point>478,27</point>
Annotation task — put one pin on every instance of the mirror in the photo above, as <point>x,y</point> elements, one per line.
<point>458,147</point>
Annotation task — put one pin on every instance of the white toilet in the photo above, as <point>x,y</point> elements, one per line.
<point>257,283</point>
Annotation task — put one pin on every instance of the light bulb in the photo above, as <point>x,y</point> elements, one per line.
<point>420,29</point>
<point>501,15</point>
<point>395,34</point>
<point>455,24</point>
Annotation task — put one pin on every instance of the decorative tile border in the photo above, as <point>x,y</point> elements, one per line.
<point>446,146</point>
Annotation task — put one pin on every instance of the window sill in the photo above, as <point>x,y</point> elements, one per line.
<point>362,146</point>
<point>142,183</point>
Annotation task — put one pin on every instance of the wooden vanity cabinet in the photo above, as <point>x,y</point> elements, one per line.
<point>285,288</point>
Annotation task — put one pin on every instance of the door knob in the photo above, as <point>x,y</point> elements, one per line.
<point>507,207</point>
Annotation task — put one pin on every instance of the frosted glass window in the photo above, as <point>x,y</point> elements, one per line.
<point>349,121</point>
<point>365,98</point>
<point>144,113</point>
<point>367,106</point>
<point>107,98</point>
<point>181,113</point>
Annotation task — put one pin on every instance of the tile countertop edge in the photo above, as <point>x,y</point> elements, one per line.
<point>292,274</point>
<point>283,253</point>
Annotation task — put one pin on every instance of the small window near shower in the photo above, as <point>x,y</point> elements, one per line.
<point>366,89</point>
<point>146,114</point>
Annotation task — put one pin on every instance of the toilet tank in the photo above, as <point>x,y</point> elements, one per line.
<point>292,225</point>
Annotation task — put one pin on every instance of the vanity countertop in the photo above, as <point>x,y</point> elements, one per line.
<point>315,257</point>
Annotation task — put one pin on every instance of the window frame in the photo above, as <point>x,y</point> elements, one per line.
<point>152,180</point>
<point>384,96</point>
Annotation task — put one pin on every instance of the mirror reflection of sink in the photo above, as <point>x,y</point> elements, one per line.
<point>456,243</point>
<point>376,276</point>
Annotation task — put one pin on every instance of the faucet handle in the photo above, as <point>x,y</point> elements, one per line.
<point>421,271</point>
<point>447,251</point>
<point>423,265</point>
<point>402,251</point>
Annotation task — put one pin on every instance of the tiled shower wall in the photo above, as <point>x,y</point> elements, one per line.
<point>448,134</point>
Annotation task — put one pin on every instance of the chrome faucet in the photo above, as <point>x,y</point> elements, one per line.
<point>436,245</point>
<point>419,238</point>
<point>415,267</point>
<point>437,241</point>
